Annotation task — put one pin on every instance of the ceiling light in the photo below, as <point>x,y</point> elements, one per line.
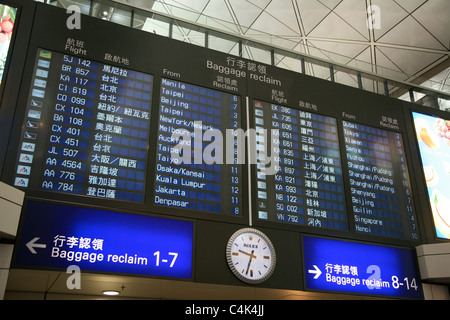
<point>111,292</point>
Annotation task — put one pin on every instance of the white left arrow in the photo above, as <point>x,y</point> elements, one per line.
<point>316,271</point>
<point>32,244</point>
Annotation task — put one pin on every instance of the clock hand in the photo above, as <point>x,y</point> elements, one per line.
<point>250,261</point>
<point>249,254</point>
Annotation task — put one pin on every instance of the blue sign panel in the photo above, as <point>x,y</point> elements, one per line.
<point>351,267</point>
<point>57,236</point>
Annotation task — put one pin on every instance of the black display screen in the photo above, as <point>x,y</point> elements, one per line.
<point>193,170</point>
<point>380,187</point>
<point>332,174</point>
<point>307,185</point>
<point>86,129</point>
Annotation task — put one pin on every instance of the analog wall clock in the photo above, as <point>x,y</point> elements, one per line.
<point>251,255</point>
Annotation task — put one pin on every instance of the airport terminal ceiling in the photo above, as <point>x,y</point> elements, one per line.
<point>407,40</point>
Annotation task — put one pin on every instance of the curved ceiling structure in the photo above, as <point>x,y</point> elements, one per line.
<point>401,40</point>
<point>398,39</point>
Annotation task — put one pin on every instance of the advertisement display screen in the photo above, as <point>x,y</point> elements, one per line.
<point>7,23</point>
<point>433,138</point>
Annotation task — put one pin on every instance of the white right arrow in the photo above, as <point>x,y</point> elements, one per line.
<point>316,271</point>
<point>32,244</point>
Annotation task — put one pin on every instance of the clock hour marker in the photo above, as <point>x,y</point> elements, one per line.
<point>266,257</point>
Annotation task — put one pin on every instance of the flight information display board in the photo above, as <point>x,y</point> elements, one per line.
<point>193,170</point>
<point>307,188</point>
<point>142,127</point>
<point>310,188</point>
<point>86,129</point>
<point>380,187</point>
<point>175,137</point>
<point>341,160</point>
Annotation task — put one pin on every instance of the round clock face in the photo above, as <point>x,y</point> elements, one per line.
<point>251,255</point>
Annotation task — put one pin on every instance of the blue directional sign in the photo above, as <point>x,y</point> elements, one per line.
<point>57,236</point>
<point>351,267</point>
